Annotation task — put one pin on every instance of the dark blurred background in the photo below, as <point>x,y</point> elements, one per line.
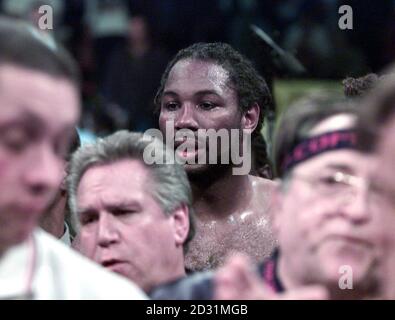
<point>123,46</point>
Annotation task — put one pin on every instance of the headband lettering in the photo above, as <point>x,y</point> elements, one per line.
<point>310,147</point>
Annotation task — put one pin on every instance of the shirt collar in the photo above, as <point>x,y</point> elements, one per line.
<point>66,235</point>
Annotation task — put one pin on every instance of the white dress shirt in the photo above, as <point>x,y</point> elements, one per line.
<point>44,268</point>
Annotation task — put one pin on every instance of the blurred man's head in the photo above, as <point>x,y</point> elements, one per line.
<point>377,136</point>
<point>321,222</point>
<point>135,219</point>
<point>39,109</point>
<point>211,86</point>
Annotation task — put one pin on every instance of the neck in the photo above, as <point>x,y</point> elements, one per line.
<point>171,271</point>
<point>219,193</point>
<point>177,273</point>
<point>53,220</point>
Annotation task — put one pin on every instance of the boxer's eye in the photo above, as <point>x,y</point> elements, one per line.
<point>207,105</point>
<point>171,106</point>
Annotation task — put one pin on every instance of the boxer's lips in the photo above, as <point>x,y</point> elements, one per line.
<point>186,143</point>
<point>186,148</point>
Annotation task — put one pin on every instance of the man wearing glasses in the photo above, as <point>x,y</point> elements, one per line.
<point>326,235</point>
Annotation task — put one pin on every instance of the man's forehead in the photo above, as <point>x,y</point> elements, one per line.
<point>122,172</point>
<point>29,93</point>
<point>36,120</point>
<point>204,73</point>
<point>119,182</point>
<point>336,122</point>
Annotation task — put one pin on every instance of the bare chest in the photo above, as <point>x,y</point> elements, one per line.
<point>215,240</point>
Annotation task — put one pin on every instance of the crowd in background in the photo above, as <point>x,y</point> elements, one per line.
<point>114,40</point>
<point>170,214</point>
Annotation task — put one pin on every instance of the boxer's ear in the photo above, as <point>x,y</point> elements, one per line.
<point>250,117</point>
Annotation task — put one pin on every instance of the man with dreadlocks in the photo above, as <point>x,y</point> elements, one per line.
<point>211,86</point>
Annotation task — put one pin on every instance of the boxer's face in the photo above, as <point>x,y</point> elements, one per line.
<point>197,95</point>
<point>37,116</point>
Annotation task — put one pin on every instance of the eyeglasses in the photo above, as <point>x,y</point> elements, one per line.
<point>338,184</point>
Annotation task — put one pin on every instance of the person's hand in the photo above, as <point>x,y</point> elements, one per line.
<point>237,280</point>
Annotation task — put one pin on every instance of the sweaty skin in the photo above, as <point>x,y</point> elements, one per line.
<point>244,229</point>
<point>231,210</point>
